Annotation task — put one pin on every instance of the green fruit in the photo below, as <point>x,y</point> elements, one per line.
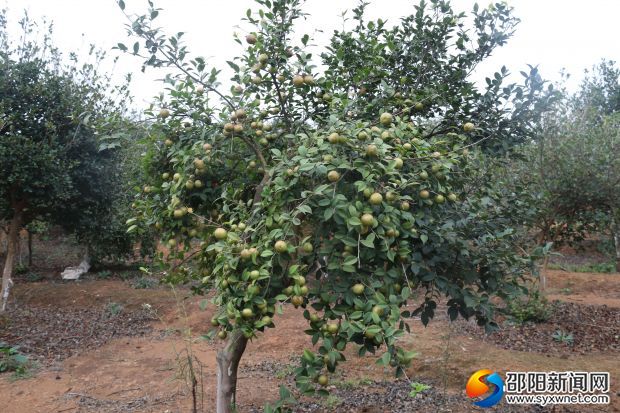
<point>332,328</point>
<point>440,199</point>
<point>254,274</point>
<point>371,150</point>
<point>376,198</point>
<point>314,318</point>
<point>452,197</point>
<point>281,246</point>
<point>367,220</point>
<point>165,176</point>
<point>220,233</point>
<point>253,290</point>
<point>247,313</point>
<point>469,127</point>
<point>367,192</point>
<point>298,81</point>
<point>362,136</point>
<point>304,290</point>
<point>307,247</point>
<point>214,322</point>
<point>245,254</point>
<point>333,176</point>
<point>398,163</point>
<point>386,119</point>
<point>266,319</point>
<point>358,289</point>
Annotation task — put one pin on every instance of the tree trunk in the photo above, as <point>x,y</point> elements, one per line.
<point>615,234</point>
<point>12,240</point>
<point>29,249</point>
<point>227,364</point>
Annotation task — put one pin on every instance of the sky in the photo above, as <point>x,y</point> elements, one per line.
<point>556,35</point>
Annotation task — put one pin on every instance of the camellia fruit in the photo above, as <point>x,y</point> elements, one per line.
<point>376,198</point>
<point>469,127</point>
<point>424,175</point>
<point>404,206</point>
<point>200,89</point>
<point>297,300</point>
<point>391,196</point>
<point>307,247</point>
<point>386,119</point>
<point>222,334</point>
<point>362,136</point>
<point>452,197</point>
<point>298,81</point>
<point>220,233</point>
<point>254,274</point>
<point>309,80</point>
<point>398,163</point>
<point>164,113</point>
<point>418,106</point>
<point>281,246</point>
<point>333,176</point>
<point>367,220</point>
<point>424,194</point>
<point>323,380</point>
<point>358,289</point>
<point>332,328</point>
<point>440,199</point>
<point>371,150</point>
<point>247,313</point>
<point>262,58</point>
<point>333,137</point>
<point>251,38</point>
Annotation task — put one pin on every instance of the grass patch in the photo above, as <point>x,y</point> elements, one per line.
<point>601,267</point>
<point>353,383</point>
<point>12,360</point>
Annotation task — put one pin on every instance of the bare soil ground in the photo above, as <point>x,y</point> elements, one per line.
<point>103,346</point>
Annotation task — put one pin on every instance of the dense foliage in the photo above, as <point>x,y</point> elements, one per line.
<point>350,192</point>
<point>55,165</point>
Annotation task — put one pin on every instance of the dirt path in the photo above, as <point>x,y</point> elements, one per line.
<point>141,374</point>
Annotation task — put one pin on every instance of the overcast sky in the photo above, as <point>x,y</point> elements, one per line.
<point>553,34</point>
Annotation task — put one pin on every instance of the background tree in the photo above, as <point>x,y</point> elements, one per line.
<point>576,161</point>
<point>52,162</point>
<point>343,191</point>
